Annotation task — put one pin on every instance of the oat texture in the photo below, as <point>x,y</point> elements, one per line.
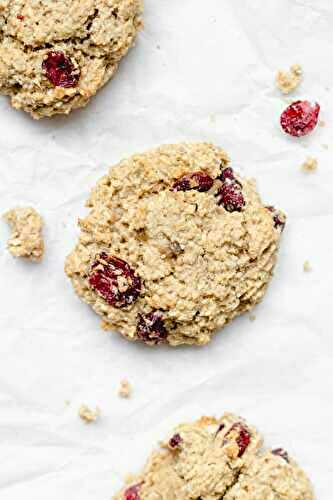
<point>287,82</point>
<point>218,459</point>
<point>26,239</point>
<point>200,264</point>
<point>92,34</point>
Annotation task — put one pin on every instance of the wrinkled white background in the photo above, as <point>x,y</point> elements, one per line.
<point>200,71</point>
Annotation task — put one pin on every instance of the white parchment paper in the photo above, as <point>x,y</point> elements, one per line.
<point>201,70</point>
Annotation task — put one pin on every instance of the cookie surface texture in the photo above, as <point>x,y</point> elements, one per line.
<point>175,246</point>
<point>218,460</point>
<point>54,56</point>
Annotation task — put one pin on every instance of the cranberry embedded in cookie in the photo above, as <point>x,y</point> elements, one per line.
<point>280,452</point>
<point>300,118</point>
<point>199,181</point>
<point>279,217</point>
<point>114,280</point>
<point>132,493</point>
<point>150,328</point>
<point>60,70</point>
<point>241,435</point>
<point>227,173</point>
<point>175,441</point>
<point>230,196</point>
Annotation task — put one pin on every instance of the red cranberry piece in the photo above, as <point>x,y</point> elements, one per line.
<point>300,118</point>
<point>227,173</point>
<point>150,328</point>
<point>114,280</point>
<point>20,18</point>
<point>175,441</point>
<point>132,493</point>
<point>198,180</point>
<point>243,438</point>
<point>60,70</point>
<point>279,221</point>
<point>231,197</point>
<point>280,452</point>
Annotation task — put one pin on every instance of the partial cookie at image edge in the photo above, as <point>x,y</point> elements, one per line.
<point>218,459</point>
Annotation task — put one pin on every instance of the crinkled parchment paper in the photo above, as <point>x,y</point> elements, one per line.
<point>201,70</point>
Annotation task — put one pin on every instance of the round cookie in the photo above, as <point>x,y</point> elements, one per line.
<point>54,56</point>
<point>175,246</point>
<point>218,459</point>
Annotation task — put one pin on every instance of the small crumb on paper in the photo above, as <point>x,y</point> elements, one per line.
<point>322,123</point>
<point>310,165</point>
<point>252,317</point>
<point>289,81</point>
<point>307,266</point>
<point>88,415</point>
<point>26,239</point>
<point>124,389</point>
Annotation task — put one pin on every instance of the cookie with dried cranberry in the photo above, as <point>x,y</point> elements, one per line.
<point>54,56</point>
<point>218,459</point>
<point>175,246</point>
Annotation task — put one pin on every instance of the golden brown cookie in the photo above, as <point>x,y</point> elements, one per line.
<point>175,246</point>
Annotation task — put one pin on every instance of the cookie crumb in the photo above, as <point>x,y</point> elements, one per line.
<point>88,415</point>
<point>125,389</point>
<point>289,81</point>
<point>26,239</point>
<point>307,267</point>
<point>67,402</point>
<point>252,317</point>
<point>322,123</point>
<point>310,165</point>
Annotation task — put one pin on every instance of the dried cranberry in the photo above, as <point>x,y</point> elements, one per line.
<point>60,70</point>
<point>150,327</point>
<point>279,220</point>
<point>300,118</point>
<point>243,438</point>
<point>227,173</point>
<point>280,452</point>
<point>20,18</point>
<point>220,428</point>
<point>198,180</point>
<point>114,280</point>
<point>230,196</point>
<point>132,493</point>
<point>175,441</point>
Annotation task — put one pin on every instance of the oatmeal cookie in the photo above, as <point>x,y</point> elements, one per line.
<point>175,246</point>
<point>218,459</point>
<point>26,239</point>
<point>54,56</point>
